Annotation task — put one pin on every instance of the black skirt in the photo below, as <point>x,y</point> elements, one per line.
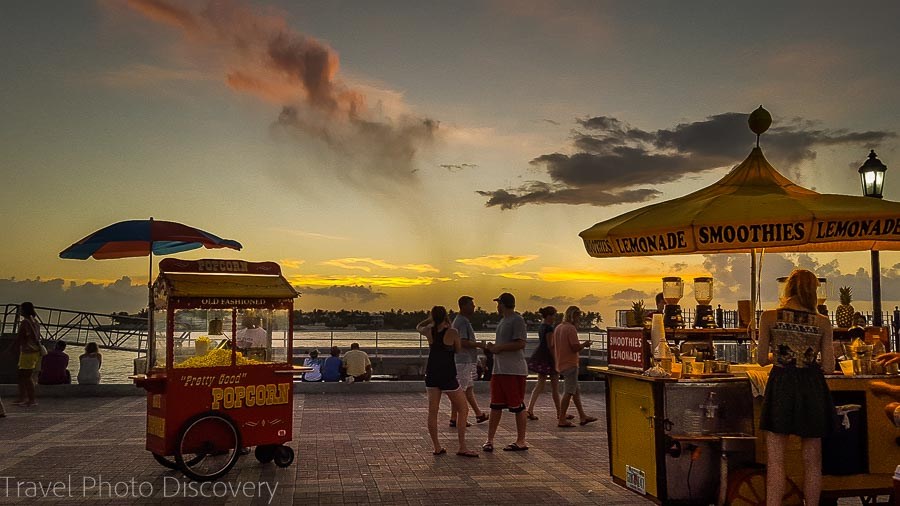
<point>797,402</point>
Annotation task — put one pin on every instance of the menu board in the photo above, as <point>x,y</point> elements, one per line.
<point>629,348</point>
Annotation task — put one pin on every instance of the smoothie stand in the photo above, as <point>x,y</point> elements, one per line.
<point>691,435</point>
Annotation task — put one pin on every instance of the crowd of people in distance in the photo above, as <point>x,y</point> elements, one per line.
<point>355,366</point>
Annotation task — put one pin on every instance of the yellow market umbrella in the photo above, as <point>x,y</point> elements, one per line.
<point>752,208</point>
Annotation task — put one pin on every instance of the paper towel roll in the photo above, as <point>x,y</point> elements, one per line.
<point>657,332</point>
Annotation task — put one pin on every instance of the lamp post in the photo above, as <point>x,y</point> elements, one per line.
<point>872,177</point>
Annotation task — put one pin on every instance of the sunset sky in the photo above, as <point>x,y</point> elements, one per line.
<point>400,154</point>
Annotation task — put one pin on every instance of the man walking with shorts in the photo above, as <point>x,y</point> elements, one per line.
<point>467,358</point>
<point>565,347</point>
<point>509,373</point>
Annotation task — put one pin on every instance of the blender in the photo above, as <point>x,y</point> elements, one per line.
<point>673,291</point>
<point>704,316</point>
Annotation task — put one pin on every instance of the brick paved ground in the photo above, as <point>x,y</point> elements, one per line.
<point>378,453</point>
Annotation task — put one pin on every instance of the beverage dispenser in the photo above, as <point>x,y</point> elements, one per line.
<point>673,291</point>
<point>704,317</point>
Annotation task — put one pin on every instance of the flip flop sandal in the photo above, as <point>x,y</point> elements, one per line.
<point>468,454</point>
<point>513,447</point>
<point>530,415</point>
<point>440,452</point>
<point>587,420</point>
<point>570,417</point>
<point>453,423</point>
<point>482,418</point>
<point>488,447</point>
<point>565,425</point>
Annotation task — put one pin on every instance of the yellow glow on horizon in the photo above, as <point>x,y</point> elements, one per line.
<point>366,264</point>
<point>380,281</point>
<point>496,261</point>
<point>553,276</point>
<point>527,276</point>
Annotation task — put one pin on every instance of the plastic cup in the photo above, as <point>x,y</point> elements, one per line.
<point>687,365</point>
<point>846,367</point>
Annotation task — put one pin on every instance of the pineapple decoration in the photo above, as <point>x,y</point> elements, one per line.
<point>637,313</point>
<point>844,313</point>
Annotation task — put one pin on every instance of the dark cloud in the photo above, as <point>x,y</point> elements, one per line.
<point>612,159</point>
<point>560,302</point>
<point>630,294</point>
<point>456,167</point>
<point>120,295</point>
<point>356,293</point>
<point>538,192</point>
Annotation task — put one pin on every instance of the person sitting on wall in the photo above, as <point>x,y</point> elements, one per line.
<point>54,367</point>
<point>316,364</point>
<point>332,370</point>
<point>357,364</point>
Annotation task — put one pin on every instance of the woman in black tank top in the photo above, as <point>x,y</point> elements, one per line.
<point>440,376</point>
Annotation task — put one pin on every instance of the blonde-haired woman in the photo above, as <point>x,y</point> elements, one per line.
<point>797,399</point>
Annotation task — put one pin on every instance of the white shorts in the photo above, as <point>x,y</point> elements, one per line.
<point>465,375</point>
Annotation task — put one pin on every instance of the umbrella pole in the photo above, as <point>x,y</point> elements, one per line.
<point>150,337</point>
<point>751,327</point>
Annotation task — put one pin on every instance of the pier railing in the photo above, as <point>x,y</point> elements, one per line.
<point>408,343</point>
<point>77,328</point>
<point>126,333</point>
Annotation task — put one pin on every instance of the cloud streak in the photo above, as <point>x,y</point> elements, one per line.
<point>496,261</point>
<point>612,160</point>
<point>366,265</point>
<point>377,281</point>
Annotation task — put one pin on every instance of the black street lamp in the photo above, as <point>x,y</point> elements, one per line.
<point>871,175</point>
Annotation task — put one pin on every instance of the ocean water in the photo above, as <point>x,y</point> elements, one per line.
<point>118,365</point>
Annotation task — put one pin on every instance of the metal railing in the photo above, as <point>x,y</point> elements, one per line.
<point>77,328</point>
<point>408,342</point>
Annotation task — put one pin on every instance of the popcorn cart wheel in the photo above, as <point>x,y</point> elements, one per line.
<point>747,487</point>
<point>282,455</point>
<point>208,446</point>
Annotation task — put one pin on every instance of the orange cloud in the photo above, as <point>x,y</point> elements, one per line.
<point>366,264</point>
<point>166,13</point>
<point>496,261</point>
<point>257,53</point>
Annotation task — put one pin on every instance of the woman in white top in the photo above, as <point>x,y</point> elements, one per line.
<point>89,372</point>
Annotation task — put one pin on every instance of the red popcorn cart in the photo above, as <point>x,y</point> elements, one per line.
<point>219,375</point>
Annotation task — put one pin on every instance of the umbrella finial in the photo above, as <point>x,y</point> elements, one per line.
<point>760,120</point>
